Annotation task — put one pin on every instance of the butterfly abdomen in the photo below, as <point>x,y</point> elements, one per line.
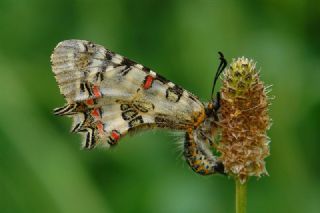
<point>199,156</point>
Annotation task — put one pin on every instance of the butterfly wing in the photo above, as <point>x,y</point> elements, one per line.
<point>109,95</point>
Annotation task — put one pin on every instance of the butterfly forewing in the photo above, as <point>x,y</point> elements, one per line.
<point>108,95</point>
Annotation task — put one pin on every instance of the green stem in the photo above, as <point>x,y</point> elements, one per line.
<point>241,197</point>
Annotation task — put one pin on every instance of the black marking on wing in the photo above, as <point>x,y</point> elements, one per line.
<point>102,76</point>
<point>90,138</point>
<point>128,65</point>
<point>76,127</point>
<point>127,62</point>
<point>79,126</point>
<point>194,98</point>
<point>136,121</point>
<point>162,79</point>
<point>100,111</point>
<point>146,69</point>
<point>163,122</point>
<point>99,75</point>
<point>109,55</point>
<point>82,88</point>
<point>174,91</point>
<point>124,107</point>
<point>111,140</point>
<point>125,71</point>
<point>68,109</point>
<point>142,108</point>
<point>88,89</point>
<point>129,114</point>
<point>90,44</point>
<point>85,47</point>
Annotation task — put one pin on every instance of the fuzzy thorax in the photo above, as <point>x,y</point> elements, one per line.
<point>244,121</point>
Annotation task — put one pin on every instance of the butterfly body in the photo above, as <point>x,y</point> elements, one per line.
<point>109,96</point>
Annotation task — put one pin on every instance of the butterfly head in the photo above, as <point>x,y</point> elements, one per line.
<point>213,107</point>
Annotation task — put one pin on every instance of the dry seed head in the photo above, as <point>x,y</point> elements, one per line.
<point>244,121</point>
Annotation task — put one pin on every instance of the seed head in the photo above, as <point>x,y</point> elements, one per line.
<point>244,121</point>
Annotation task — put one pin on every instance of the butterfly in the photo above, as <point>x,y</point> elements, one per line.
<point>109,96</point>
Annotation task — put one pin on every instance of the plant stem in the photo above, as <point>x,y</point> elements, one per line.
<point>241,196</point>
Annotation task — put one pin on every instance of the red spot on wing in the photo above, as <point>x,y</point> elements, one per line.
<point>90,102</point>
<point>96,91</point>
<point>148,82</point>
<point>100,127</point>
<point>95,112</point>
<point>96,94</point>
<point>115,135</point>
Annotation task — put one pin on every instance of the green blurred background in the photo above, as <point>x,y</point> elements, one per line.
<point>42,168</point>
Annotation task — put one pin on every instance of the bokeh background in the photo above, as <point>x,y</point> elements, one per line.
<point>42,168</point>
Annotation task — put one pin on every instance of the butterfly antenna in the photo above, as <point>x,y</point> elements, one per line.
<point>222,65</point>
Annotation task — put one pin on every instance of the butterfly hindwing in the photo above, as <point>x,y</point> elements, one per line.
<point>109,95</point>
